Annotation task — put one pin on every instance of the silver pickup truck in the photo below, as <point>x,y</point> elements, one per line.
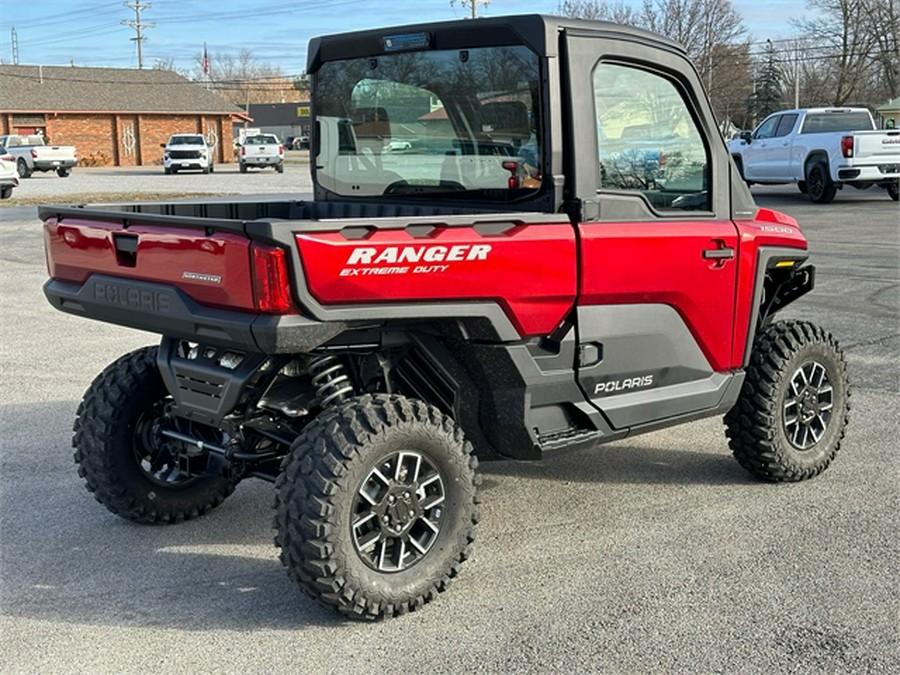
<point>821,150</point>
<point>32,154</point>
<point>261,150</point>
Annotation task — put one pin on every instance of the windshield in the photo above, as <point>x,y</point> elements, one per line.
<point>186,140</point>
<point>430,122</point>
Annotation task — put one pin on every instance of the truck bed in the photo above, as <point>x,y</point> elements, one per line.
<point>280,275</point>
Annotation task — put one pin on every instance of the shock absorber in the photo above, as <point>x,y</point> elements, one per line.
<point>330,379</point>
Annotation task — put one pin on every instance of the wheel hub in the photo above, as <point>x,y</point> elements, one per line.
<point>398,510</point>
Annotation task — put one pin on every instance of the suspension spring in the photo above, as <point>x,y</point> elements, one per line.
<point>330,379</point>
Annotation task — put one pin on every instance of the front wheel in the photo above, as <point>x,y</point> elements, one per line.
<point>791,415</point>
<point>125,461</point>
<point>375,507</point>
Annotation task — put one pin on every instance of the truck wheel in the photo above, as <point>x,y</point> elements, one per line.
<point>6,191</point>
<point>819,186</point>
<point>375,507</point>
<point>243,167</point>
<point>166,170</point>
<point>63,173</point>
<point>22,169</point>
<point>790,418</point>
<point>124,461</point>
<point>279,168</point>
<point>893,190</point>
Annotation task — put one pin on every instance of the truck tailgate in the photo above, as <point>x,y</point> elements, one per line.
<point>52,153</point>
<point>214,269</point>
<point>877,146</point>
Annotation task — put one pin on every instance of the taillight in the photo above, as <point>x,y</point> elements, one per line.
<point>271,284</point>
<point>6,158</point>
<point>280,149</point>
<point>847,146</point>
<point>243,150</point>
<point>513,168</point>
<point>34,153</point>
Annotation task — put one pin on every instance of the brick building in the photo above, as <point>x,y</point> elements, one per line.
<point>113,116</point>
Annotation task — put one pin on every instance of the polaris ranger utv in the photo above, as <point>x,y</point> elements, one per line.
<point>562,252</point>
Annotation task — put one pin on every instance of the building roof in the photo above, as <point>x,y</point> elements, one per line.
<point>75,89</point>
<point>893,104</point>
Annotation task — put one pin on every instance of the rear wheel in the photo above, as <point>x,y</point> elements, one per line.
<point>279,168</point>
<point>6,191</point>
<point>22,169</point>
<point>63,173</point>
<point>243,167</point>
<point>375,507</point>
<point>790,418</point>
<point>893,190</point>
<point>819,186</point>
<point>125,461</point>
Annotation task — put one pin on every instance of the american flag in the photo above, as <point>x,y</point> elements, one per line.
<point>204,64</point>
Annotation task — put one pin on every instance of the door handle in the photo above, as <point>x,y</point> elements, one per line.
<point>724,253</point>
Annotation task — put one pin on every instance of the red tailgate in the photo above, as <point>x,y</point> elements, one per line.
<point>212,269</point>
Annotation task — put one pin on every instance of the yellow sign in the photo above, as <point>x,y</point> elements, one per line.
<point>302,111</point>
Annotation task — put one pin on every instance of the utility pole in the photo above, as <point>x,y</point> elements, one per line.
<point>471,4</point>
<point>14,38</point>
<point>138,26</point>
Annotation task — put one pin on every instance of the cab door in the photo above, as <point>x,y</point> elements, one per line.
<point>658,249</point>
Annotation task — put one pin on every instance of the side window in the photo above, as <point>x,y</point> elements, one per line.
<point>767,128</point>
<point>648,141</point>
<point>785,125</point>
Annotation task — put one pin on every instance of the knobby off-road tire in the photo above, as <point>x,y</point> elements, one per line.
<point>790,418</point>
<point>121,456</point>
<point>375,507</point>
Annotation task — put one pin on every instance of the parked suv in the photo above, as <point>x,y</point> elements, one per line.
<point>188,152</point>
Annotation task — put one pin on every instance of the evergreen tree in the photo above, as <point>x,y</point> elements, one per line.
<point>767,86</point>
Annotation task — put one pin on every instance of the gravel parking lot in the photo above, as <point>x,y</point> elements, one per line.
<point>651,554</point>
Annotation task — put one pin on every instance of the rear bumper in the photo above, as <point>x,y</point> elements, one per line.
<point>262,161</point>
<point>53,165</point>
<point>165,310</point>
<point>868,173</point>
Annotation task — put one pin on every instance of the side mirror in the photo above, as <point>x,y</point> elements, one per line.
<point>747,136</point>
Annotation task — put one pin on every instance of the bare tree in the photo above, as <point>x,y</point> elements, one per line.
<point>617,12</point>
<point>242,79</point>
<point>843,42</point>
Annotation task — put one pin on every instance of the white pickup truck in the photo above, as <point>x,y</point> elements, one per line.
<point>31,154</point>
<point>261,150</point>
<point>821,150</point>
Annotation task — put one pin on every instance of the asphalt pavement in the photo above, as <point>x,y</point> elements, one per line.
<point>652,554</point>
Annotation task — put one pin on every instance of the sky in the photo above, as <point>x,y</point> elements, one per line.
<point>91,33</point>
